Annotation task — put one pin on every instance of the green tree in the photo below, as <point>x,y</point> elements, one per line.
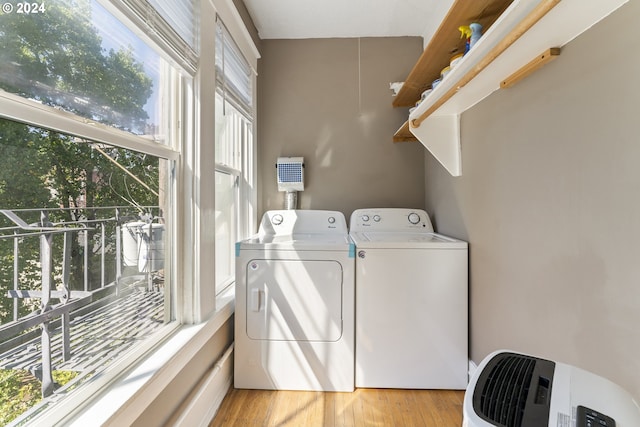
<point>57,58</point>
<point>21,176</point>
<point>20,390</point>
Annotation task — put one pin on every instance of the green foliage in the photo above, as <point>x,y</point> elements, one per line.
<point>56,58</point>
<point>46,169</point>
<point>61,50</point>
<point>21,168</point>
<point>63,377</point>
<point>19,391</point>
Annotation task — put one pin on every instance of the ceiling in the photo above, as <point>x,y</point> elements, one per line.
<point>301,19</point>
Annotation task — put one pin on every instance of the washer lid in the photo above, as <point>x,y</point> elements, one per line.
<point>400,240</point>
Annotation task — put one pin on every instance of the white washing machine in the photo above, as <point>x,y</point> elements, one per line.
<point>294,322</point>
<point>411,302</point>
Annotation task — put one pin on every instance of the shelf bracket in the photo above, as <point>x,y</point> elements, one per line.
<point>441,136</point>
<point>538,62</point>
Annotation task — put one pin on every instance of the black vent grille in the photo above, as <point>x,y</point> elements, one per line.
<point>504,395</point>
<point>514,390</point>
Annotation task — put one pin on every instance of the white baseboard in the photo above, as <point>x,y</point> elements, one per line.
<point>206,400</point>
<point>472,367</point>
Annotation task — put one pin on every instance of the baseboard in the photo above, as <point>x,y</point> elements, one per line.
<point>208,396</point>
<point>472,367</point>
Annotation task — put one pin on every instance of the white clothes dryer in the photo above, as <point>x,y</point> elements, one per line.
<point>411,302</point>
<point>294,327</point>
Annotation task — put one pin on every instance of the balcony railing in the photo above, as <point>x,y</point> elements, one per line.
<point>111,252</point>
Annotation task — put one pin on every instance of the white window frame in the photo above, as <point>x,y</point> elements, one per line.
<point>19,109</point>
<point>235,174</point>
<point>245,172</point>
<point>244,212</point>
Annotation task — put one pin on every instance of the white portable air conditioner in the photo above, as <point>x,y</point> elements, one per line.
<point>516,390</point>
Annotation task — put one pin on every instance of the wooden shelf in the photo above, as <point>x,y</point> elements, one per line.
<point>445,43</point>
<point>404,134</point>
<point>509,47</point>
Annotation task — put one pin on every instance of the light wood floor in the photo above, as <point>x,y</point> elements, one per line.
<point>364,407</point>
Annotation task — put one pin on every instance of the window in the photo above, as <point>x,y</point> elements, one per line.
<point>78,57</point>
<point>226,208</point>
<point>233,153</point>
<point>103,254</point>
<point>89,140</point>
<point>112,92</point>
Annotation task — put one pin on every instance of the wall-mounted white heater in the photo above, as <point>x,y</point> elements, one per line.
<point>290,176</point>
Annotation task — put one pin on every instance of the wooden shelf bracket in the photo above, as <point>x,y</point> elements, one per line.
<point>538,62</point>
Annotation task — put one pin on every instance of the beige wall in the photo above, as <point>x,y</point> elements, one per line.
<point>549,200</point>
<point>328,100</point>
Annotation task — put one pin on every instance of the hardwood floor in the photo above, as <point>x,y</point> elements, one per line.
<point>364,407</point>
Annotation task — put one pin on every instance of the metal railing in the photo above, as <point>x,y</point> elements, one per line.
<point>55,284</point>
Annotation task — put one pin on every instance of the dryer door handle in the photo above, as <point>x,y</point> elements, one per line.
<point>255,299</point>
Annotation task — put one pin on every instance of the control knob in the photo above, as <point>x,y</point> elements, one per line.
<point>414,218</point>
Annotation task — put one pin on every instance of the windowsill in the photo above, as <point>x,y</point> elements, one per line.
<point>129,395</point>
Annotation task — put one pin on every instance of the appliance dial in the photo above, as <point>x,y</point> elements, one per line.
<point>277,219</point>
<point>331,220</point>
<point>376,218</point>
<point>414,218</point>
<point>365,218</point>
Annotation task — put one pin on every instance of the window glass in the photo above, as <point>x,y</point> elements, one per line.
<point>226,195</point>
<point>86,228</point>
<point>76,56</point>
<point>233,144</point>
<point>85,237</point>
<point>228,134</point>
<point>233,152</point>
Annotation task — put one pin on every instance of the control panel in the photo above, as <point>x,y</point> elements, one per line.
<point>589,418</point>
<point>390,219</point>
<point>286,222</point>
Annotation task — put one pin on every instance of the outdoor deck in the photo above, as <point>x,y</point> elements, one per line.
<point>96,336</point>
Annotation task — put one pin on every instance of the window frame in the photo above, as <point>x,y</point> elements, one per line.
<point>23,110</point>
<point>16,108</point>
<point>244,166</point>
